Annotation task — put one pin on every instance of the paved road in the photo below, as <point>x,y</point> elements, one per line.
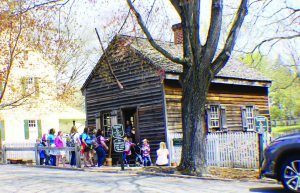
<point>22,179</point>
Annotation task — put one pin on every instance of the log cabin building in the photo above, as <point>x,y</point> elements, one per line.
<point>149,94</point>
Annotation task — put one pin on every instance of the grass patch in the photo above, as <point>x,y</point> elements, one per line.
<point>280,129</point>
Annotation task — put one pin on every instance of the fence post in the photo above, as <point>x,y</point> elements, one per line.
<point>77,156</point>
<point>37,155</point>
<point>4,155</point>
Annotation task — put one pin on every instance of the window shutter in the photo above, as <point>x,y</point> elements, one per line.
<point>37,86</point>
<point>2,130</point>
<point>26,129</point>
<point>223,119</point>
<point>24,84</point>
<point>208,116</point>
<point>39,124</point>
<point>244,119</point>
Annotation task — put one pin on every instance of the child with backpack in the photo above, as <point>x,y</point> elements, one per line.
<point>42,152</point>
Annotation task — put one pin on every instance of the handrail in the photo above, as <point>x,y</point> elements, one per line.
<point>37,149</point>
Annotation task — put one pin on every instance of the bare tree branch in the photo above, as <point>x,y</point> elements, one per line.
<point>151,40</point>
<point>275,38</point>
<point>176,5</point>
<point>214,32</point>
<point>223,57</point>
<point>12,49</point>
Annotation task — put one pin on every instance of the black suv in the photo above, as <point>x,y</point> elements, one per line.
<point>282,161</point>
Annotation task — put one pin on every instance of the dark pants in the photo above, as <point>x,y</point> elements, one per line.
<point>42,161</point>
<point>147,160</point>
<point>101,155</point>
<point>52,160</point>
<point>47,160</point>
<point>125,158</point>
<point>73,159</point>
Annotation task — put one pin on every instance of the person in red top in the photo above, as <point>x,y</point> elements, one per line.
<point>127,151</point>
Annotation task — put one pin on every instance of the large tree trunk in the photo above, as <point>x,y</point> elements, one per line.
<point>195,88</point>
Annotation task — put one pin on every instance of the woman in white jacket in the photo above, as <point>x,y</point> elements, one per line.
<point>162,155</point>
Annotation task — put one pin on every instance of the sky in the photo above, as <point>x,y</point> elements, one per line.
<point>107,17</point>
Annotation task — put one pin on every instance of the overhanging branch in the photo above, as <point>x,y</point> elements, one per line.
<point>214,30</point>
<point>224,56</point>
<point>275,38</point>
<point>151,40</point>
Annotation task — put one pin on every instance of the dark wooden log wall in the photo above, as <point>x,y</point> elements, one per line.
<point>142,89</point>
<point>230,96</point>
<point>173,95</point>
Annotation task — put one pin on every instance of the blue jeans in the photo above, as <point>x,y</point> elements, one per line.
<point>52,160</point>
<point>73,159</point>
<point>101,154</point>
<point>147,160</point>
<point>125,158</point>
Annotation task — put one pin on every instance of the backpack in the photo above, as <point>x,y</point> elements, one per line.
<point>71,141</point>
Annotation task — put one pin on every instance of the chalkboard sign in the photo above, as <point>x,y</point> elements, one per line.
<point>261,124</point>
<point>119,145</point>
<point>177,141</point>
<point>118,131</point>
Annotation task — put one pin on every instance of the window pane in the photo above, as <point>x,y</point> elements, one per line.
<point>214,116</point>
<point>250,117</point>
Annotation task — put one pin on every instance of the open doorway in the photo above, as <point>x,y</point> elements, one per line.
<point>130,123</point>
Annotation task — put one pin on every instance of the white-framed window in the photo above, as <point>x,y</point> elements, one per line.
<point>249,112</point>
<point>106,124</point>
<point>33,129</point>
<point>30,84</point>
<point>216,117</point>
<point>250,117</point>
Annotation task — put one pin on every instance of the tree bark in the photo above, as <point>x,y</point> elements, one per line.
<point>193,120</point>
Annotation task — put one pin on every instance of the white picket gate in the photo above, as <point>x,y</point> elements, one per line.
<point>234,149</point>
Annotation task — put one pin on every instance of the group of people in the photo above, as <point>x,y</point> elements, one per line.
<point>162,153</point>
<point>52,157</point>
<point>91,142</point>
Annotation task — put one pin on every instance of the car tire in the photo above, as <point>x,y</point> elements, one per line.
<point>290,174</point>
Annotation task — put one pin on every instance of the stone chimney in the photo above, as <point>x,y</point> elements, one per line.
<point>178,35</point>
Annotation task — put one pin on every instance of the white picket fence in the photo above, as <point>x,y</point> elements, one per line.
<point>24,155</point>
<point>235,149</point>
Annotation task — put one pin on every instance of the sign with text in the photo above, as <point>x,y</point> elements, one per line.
<point>177,141</point>
<point>261,124</point>
<point>118,131</point>
<point>119,145</point>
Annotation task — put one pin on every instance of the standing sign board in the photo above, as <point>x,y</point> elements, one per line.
<point>119,145</point>
<point>118,131</point>
<point>118,134</point>
<point>261,124</point>
<point>261,127</point>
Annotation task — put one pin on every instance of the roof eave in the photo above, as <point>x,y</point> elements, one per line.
<point>237,81</point>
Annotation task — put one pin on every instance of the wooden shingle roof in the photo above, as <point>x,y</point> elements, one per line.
<point>233,68</point>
